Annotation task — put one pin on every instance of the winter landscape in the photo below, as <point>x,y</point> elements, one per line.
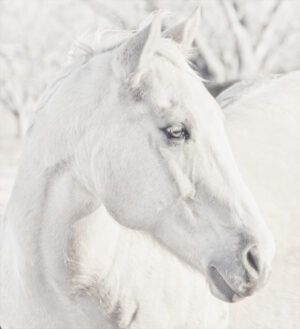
<point>237,40</point>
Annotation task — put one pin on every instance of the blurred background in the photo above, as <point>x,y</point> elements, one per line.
<point>237,40</point>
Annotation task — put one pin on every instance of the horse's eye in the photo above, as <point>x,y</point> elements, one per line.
<point>177,131</point>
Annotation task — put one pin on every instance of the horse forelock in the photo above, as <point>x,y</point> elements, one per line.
<point>90,45</point>
<point>168,51</point>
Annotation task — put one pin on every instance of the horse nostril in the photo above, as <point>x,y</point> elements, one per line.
<point>252,259</point>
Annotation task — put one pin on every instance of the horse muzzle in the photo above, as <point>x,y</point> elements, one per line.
<point>232,281</point>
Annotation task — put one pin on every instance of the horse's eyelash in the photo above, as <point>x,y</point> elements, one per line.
<point>169,135</point>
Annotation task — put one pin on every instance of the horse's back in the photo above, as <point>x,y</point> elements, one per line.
<point>262,120</point>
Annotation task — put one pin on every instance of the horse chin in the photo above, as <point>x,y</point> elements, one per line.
<point>221,289</point>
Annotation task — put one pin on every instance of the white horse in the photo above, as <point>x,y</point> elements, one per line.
<point>128,199</point>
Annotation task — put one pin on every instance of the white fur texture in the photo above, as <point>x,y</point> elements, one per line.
<point>262,120</point>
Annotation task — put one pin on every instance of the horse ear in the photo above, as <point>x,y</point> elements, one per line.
<point>185,32</point>
<point>138,50</point>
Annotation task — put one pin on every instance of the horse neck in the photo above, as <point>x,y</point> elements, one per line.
<point>128,270</point>
<point>42,209</point>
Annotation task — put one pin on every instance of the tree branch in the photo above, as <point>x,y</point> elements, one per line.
<point>242,39</point>
<point>214,65</point>
<point>265,43</point>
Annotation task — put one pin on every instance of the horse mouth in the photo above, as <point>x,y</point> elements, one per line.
<point>220,287</point>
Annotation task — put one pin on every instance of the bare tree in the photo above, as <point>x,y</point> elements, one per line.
<point>237,40</point>
<point>252,40</point>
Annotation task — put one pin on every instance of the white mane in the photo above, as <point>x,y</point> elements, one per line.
<point>89,45</point>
